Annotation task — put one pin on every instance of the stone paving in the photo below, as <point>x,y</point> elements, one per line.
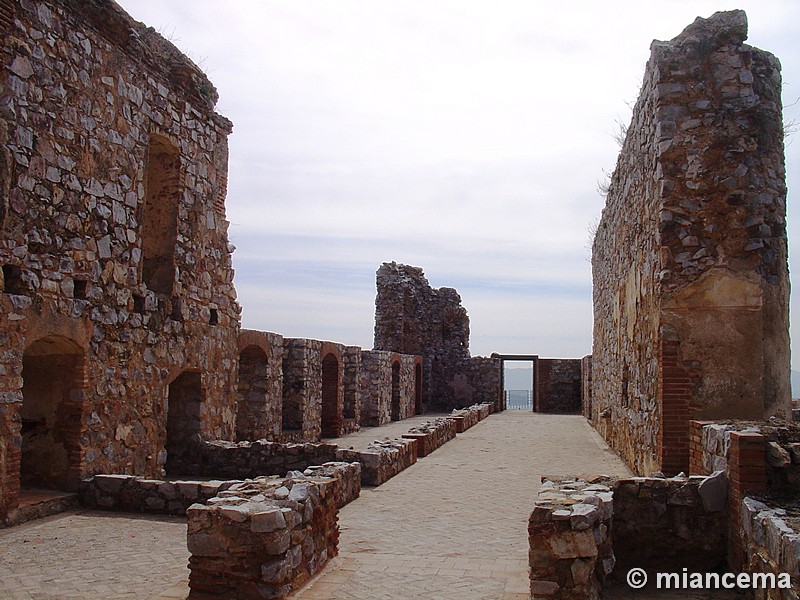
<point>455,524</point>
<point>95,555</point>
<point>452,526</point>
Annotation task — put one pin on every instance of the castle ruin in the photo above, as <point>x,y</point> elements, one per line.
<point>123,364</point>
<point>691,283</point>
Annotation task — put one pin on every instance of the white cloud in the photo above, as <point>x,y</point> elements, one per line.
<point>463,136</point>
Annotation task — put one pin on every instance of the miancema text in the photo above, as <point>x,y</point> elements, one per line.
<point>715,581</point>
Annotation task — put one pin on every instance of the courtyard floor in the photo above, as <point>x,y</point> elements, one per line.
<point>454,525</point>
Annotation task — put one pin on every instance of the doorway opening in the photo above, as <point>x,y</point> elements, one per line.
<point>519,381</point>
<point>183,423</point>
<point>51,412</point>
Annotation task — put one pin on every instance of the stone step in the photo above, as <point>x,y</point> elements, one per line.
<point>35,504</point>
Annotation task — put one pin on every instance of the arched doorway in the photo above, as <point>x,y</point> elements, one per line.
<point>331,419</point>
<point>183,423</point>
<point>396,391</point>
<point>51,414</point>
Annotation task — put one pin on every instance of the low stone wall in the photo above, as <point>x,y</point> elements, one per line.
<point>470,416</point>
<point>262,538</point>
<point>568,532</point>
<point>431,435</point>
<point>772,545</point>
<point>710,449</point>
<point>381,460</point>
<point>579,531</point>
<point>665,525</point>
<point>240,460</point>
<point>130,493</point>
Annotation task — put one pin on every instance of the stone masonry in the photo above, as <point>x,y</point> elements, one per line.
<point>413,318</point>
<point>689,261</point>
<point>118,340</point>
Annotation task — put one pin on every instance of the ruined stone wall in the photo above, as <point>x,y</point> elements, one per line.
<point>301,409</point>
<point>260,385</point>
<point>558,385</point>
<point>412,317</point>
<point>101,119</point>
<point>388,386</point>
<point>689,260</point>
<point>351,400</point>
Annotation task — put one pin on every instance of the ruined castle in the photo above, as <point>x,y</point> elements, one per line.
<point>121,350</point>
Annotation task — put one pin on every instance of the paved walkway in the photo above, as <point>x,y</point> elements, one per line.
<point>451,526</point>
<point>94,555</point>
<point>455,524</point>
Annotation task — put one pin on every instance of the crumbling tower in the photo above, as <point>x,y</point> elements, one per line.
<point>689,262</point>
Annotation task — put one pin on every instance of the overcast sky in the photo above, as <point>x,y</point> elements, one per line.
<point>464,137</point>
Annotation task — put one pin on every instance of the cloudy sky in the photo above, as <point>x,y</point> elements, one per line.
<point>464,137</point>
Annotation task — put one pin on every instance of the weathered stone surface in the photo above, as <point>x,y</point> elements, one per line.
<point>714,491</point>
<point>689,260</point>
<point>568,539</point>
<point>116,268</point>
<point>254,545</point>
<point>662,525</point>
<point>413,318</point>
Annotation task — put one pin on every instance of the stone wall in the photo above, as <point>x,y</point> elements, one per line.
<point>771,538</point>
<point>302,390</point>
<point>586,386</point>
<point>583,532</point>
<point>665,525</point>
<point>128,493</point>
<point>263,538</point>
<point>689,261</point>
<point>240,460</point>
<point>382,459</point>
<point>413,318</point>
<point>390,384</point>
<point>431,435</point>
<point>569,538</point>
<point>116,267</point>
<point>558,385</point>
<point>260,387</point>
<point>352,398</point>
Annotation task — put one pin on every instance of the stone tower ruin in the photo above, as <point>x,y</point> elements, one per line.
<point>412,317</point>
<point>690,259</point>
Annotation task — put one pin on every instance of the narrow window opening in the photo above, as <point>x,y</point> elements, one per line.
<point>13,282</point>
<point>160,217</point>
<point>213,317</point>
<point>138,304</point>
<point>176,314</point>
<point>79,289</point>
